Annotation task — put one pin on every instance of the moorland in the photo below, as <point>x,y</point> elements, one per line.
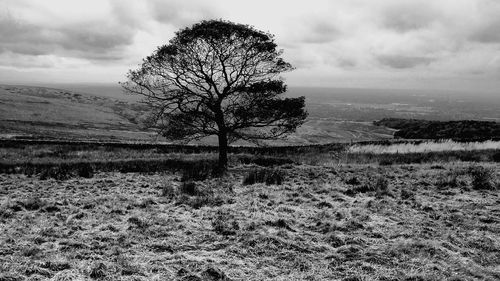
<point>101,210</point>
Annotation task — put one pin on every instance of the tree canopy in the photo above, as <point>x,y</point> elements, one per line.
<point>218,78</point>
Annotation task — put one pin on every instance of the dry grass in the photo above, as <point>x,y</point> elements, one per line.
<point>428,146</point>
<point>316,225</point>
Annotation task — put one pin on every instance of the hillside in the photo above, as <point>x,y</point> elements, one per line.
<point>56,113</point>
<point>108,114</point>
<point>425,129</point>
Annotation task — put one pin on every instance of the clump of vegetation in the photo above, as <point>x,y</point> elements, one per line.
<point>382,187</point>
<point>98,270</point>
<point>385,162</point>
<point>199,171</point>
<point>425,129</point>
<point>224,223</point>
<point>482,178</point>
<point>85,170</point>
<point>264,161</point>
<point>267,176</point>
<point>353,181</point>
<point>496,157</point>
<point>196,196</point>
<point>167,190</point>
<point>407,194</point>
<point>448,180</point>
<point>59,172</point>
<point>189,188</point>
<point>379,185</point>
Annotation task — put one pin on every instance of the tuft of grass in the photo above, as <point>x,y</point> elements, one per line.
<point>33,204</point>
<point>98,271</point>
<point>447,180</point>
<point>189,188</point>
<point>267,176</point>
<point>167,190</point>
<point>382,187</point>
<point>199,171</point>
<point>482,178</point>
<point>224,223</point>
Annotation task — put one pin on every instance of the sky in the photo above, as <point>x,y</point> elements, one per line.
<point>424,44</point>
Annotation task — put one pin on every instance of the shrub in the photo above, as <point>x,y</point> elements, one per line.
<point>482,178</point>
<point>267,176</point>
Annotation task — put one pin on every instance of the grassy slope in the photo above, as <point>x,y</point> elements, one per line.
<point>59,113</point>
<point>313,227</point>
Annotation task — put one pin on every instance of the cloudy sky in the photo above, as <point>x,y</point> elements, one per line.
<point>423,44</point>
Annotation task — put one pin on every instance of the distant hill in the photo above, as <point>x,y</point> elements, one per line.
<point>57,113</point>
<point>105,113</point>
<point>425,129</point>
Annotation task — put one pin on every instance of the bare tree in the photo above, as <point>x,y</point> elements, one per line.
<point>218,78</point>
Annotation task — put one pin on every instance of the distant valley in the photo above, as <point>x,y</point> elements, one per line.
<point>104,112</point>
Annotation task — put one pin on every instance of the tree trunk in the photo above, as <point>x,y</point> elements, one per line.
<point>222,152</point>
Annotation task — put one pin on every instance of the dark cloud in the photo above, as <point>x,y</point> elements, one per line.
<point>401,62</point>
<point>88,40</point>
<point>488,33</point>
<point>408,17</point>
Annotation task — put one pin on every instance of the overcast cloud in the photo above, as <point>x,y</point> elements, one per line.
<point>442,44</point>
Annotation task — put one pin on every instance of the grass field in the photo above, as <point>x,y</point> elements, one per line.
<point>320,218</point>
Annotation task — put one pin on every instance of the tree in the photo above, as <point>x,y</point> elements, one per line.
<point>218,78</point>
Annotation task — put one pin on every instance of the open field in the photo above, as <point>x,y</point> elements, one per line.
<point>342,222</point>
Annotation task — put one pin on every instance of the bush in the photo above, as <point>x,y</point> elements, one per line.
<point>482,178</point>
<point>267,176</point>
